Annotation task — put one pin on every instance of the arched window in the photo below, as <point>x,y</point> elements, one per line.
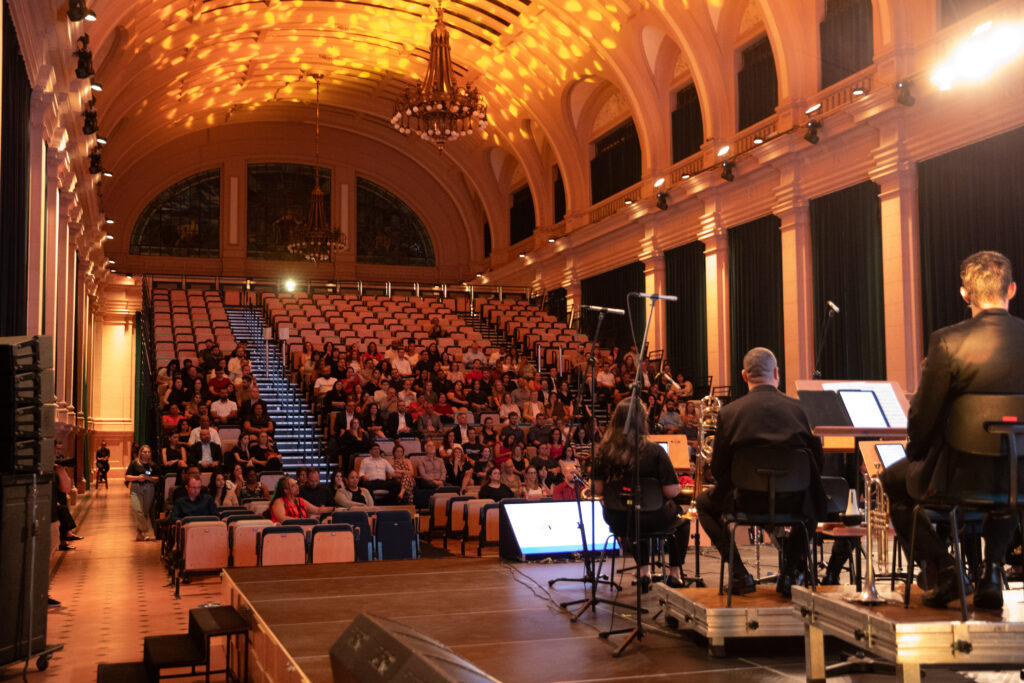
<point>388,232</point>
<point>277,202</point>
<point>183,220</point>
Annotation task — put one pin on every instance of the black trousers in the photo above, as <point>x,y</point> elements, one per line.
<point>619,521</point>
<point>392,486</point>
<point>996,530</point>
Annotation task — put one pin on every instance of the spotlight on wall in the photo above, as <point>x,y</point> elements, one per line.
<point>110,221</point>
<point>723,150</point>
<point>685,176</point>
<point>903,95</point>
<point>551,240</point>
<point>84,68</point>
<point>289,285</point>
<point>758,139</point>
<point>727,167</point>
<point>859,91</point>
<point>659,182</point>
<point>107,174</point>
<point>813,126</point>
<point>663,201</point>
<point>627,201</point>
<point>813,108</point>
<point>108,236</point>
<point>522,255</point>
<point>96,86</point>
<point>101,140</point>
<point>77,11</point>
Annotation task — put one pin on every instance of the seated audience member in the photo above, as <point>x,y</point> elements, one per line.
<point>196,502</point>
<point>459,471</point>
<point>483,465</point>
<point>220,383</point>
<point>444,410</point>
<point>401,364</point>
<point>373,421</point>
<point>247,408</point>
<point>670,421</point>
<point>353,441</point>
<point>344,417</point>
<point>462,428</point>
<point>172,420</point>
<point>335,400</point>
<point>265,457</point>
<point>511,478</point>
<point>400,422</point>
<point>474,445</point>
<point>431,470</point>
<point>404,469</point>
<point>224,410</point>
<point>444,451</point>
<point>479,400</point>
<point>239,455</point>
<point>533,487</point>
<point>540,431</point>
<point>493,488</point>
<point>313,491</point>
<point>512,430</point>
<point>223,497</point>
<point>253,487</point>
<point>174,456</point>
<point>489,434</point>
<point>508,408</point>
<point>243,391</point>
<point>259,422</point>
<point>205,453</point>
<point>195,410</point>
<point>457,396</point>
<point>520,394</point>
<point>348,494</point>
<point>532,408</point>
<point>236,477</point>
<point>473,356</point>
<point>176,395</point>
<point>376,473</point>
<point>568,488</point>
<point>324,383</point>
<point>180,487</point>
<point>428,424</point>
<point>286,503</point>
<point>557,444</point>
<point>204,423</point>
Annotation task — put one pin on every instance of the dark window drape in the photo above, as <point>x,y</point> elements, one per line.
<point>521,219</point>
<point>616,162</point>
<point>610,289</point>
<point>277,204</point>
<point>14,169</point>
<point>847,44</point>
<point>559,194</point>
<point>846,256</point>
<point>952,11</point>
<point>755,294</point>
<point>687,319</point>
<point>968,200</point>
<point>555,304</point>
<point>487,239</point>
<point>756,84</point>
<point>687,124</point>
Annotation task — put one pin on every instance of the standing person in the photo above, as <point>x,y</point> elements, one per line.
<point>981,355</point>
<point>613,469</point>
<point>143,476</point>
<point>764,417</point>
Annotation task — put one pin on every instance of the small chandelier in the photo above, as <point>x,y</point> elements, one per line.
<point>438,110</point>
<point>315,240</point>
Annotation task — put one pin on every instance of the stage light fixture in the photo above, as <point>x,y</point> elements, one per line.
<point>107,174</point>
<point>723,150</point>
<point>551,240</point>
<point>95,162</point>
<point>95,86</point>
<point>758,140</point>
<point>289,285</point>
<point>479,274</point>
<point>101,140</point>
<point>903,95</point>
<point>727,167</point>
<point>659,182</point>
<point>627,201</point>
<point>860,91</point>
<point>812,131</point>
<point>108,236</point>
<point>77,11</point>
<point>84,68</point>
<point>685,176</point>
<point>110,221</point>
<point>522,255</point>
<point>813,108</point>
<point>663,201</point>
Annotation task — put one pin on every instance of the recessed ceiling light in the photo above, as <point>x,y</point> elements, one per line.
<point>813,108</point>
<point>723,150</point>
<point>659,182</point>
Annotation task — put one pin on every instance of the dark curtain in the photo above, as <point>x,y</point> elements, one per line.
<point>555,304</point>
<point>616,162</point>
<point>756,84</point>
<point>968,200</point>
<point>952,11</point>
<point>687,124</point>
<point>610,289</point>
<point>14,169</point>
<point>846,256</point>
<point>559,195</point>
<point>521,219</point>
<point>755,294</point>
<point>687,319</point>
<point>847,44</point>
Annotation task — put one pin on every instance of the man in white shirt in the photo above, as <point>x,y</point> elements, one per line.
<point>401,363</point>
<point>473,354</point>
<point>407,394</point>
<point>377,475</point>
<point>204,423</point>
<point>224,410</point>
<point>462,426</point>
<point>323,383</point>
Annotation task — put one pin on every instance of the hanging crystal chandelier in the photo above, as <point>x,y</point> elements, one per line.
<point>438,110</point>
<point>316,239</point>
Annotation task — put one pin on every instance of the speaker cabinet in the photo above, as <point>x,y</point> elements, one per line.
<point>26,405</point>
<point>19,568</point>
<point>374,650</point>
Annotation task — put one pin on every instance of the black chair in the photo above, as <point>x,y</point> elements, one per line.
<point>620,498</point>
<point>979,426</point>
<point>360,521</point>
<point>396,536</point>
<point>769,471</point>
<point>175,651</point>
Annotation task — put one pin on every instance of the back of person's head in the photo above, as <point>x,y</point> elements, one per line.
<point>623,438</point>
<point>986,277</point>
<point>759,363</point>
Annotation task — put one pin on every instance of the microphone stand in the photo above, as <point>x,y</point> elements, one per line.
<point>821,342</point>
<point>637,632</point>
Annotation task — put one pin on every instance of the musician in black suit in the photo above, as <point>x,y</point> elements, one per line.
<point>984,354</point>
<point>764,417</point>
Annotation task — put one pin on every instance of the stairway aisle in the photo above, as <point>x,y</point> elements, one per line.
<point>295,430</point>
<point>491,334</point>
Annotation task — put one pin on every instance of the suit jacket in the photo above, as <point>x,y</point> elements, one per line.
<point>391,429</point>
<point>982,355</point>
<point>195,453</point>
<point>765,417</point>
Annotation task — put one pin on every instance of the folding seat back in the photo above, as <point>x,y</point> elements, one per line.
<point>474,520</point>
<point>333,543</point>
<point>244,536</point>
<point>360,521</point>
<point>490,515</point>
<point>439,508</point>
<point>396,535</point>
<point>306,524</point>
<point>280,545</point>
<point>204,545</point>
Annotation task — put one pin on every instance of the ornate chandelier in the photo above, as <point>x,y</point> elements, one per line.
<point>315,240</point>
<point>438,110</point>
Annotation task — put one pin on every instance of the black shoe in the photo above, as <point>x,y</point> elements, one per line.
<point>65,546</point>
<point>50,602</point>
<point>990,587</point>
<point>74,537</point>
<point>673,582</point>
<point>946,589</point>
<point>743,584</point>
<point>831,578</point>
<point>645,584</point>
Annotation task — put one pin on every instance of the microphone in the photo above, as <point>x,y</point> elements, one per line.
<point>835,309</point>
<point>645,295</point>
<point>578,479</point>
<point>604,309</point>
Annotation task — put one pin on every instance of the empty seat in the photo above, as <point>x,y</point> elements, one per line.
<point>333,543</point>
<point>360,521</point>
<point>280,545</point>
<point>244,541</point>
<point>204,547</point>
<point>396,537</point>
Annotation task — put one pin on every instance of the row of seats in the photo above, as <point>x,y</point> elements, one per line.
<point>527,324</point>
<point>183,321</point>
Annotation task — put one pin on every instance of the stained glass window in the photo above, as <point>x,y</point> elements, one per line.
<point>278,202</point>
<point>183,220</point>
<point>388,232</point>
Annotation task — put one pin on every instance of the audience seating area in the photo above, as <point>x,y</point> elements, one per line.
<point>528,325</point>
<point>184,320</point>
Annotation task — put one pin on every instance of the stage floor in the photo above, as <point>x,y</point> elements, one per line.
<point>497,615</point>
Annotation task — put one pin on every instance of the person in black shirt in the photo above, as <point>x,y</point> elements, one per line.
<point>194,503</point>
<point>613,470</point>
<point>316,493</point>
<point>494,489</point>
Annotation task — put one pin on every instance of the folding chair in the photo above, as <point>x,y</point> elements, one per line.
<point>333,543</point>
<point>279,545</point>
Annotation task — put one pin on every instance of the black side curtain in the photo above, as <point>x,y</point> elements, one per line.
<point>969,199</point>
<point>687,319</point>
<point>847,43</point>
<point>846,256</point>
<point>687,124</point>
<point>755,294</point>
<point>616,162</point>
<point>610,289</point>
<point>521,218</point>
<point>756,84</point>
<point>14,169</point>
<point>555,304</point>
<point>487,239</point>
<point>559,188</point>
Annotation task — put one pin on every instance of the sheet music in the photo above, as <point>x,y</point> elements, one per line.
<point>885,394</point>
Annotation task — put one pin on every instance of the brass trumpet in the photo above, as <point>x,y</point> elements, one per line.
<point>876,514</point>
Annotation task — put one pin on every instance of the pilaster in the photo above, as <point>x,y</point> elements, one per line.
<point>716,263</point>
<point>793,212</point>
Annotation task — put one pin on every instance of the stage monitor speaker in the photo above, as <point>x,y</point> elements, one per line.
<point>16,564</point>
<point>26,405</point>
<point>378,650</point>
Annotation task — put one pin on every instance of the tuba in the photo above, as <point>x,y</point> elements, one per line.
<point>707,425</point>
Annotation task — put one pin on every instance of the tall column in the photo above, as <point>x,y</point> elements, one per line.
<point>716,264</point>
<point>654,283</point>
<point>52,232</point>
<point>896,175</point>
<point>63,247</point>
<point>797,284</point>
<point>38,184</point>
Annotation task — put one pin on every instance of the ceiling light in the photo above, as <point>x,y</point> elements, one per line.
<point>758,140</point>
<point>659,182</point>
<point>813,108</point>
<point>437,109</point>
<point>662,201</point>
<point>77,11</point>
<point>289,285</point>
<point>727,167</point>
<point>627,201</point>
<point>903,95</point>
<point>84,68</point>
<point>723,150</point>
<point>812,131</point>
<point>110,221</point>
<point>95,86</point>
